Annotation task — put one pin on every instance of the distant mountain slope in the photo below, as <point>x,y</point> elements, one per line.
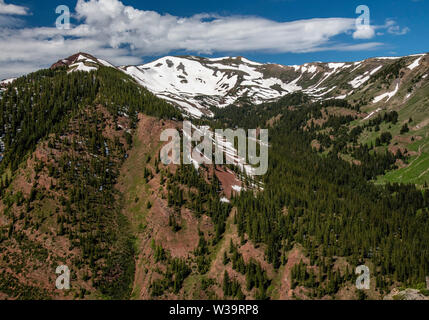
<point>196,84</point>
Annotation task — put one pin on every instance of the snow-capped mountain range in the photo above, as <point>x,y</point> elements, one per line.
<point>196,84</point>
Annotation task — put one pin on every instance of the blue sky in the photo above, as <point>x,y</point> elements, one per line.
<point>280,31</point>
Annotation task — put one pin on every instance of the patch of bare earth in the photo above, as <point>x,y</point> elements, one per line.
<point>180,244</point>
<point>249,252</point>
<point>227,179</point>
<point>295,256</point>
<point>34,261</point>
<point>35,272</point>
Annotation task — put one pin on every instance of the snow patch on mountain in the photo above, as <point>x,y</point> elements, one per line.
<point>372,114</point>
<point>106,63</point>
<point>305,68</point>
<point>81,66</point>
<point>189,108</point>
<point>196,83</point>
<point>336,66</point>
<point>237,188</point>
<point>388,58</point>
<point>388,95</point>
<point>375,70</point>
<point>82,62</point>
<point>7,81</point>
<point>224,200</point>
<point>363,78</point>
<point>222,144</point>
<point>341,97</point>
<point>415,64</point>
<point>324,93</point>
<point>358,81</point>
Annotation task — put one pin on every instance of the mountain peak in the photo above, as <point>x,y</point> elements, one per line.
<point>71,59</point>
<point>81,61</point>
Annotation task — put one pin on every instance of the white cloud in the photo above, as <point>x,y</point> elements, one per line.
<point>396,30</point>
<point>12,9</point>
<point>392,27</point>
<point>358,46</point>
<point>119,33</point>
<point>150,33</point>
<point>364,32</point>
<point>8,21</point>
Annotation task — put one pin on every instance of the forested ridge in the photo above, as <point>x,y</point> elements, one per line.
<point>43,102</point>
<point>329,206</point>
<point>66,136</point>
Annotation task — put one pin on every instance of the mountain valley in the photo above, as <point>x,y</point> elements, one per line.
<point>82,183</point>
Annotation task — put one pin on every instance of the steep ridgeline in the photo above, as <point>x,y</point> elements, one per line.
<point>81,62</point>
<point>197,84</point>
<point>64,137</point>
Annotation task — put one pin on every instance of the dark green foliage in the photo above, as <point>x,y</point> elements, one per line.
<point>43,102</point>
<point>206,199</point>
<point>332,209</point>
<point>405,128</point>
<point>385,138</point>
<point>391,117</point>
<point>62,109</point>
<point>12,287</point>
<point>232,288</point>
<point>390,72</point>
<point>177,271</point>
<point>256,276</point>
<point>172,222</point>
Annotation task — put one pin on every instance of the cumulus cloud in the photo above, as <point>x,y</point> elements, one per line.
<point>120,33</point>
<point>12,9</point>
<point>150,33</point>
<point>364,32</point>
